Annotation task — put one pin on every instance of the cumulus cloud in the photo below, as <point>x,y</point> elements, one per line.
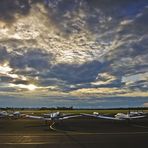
<point>79,47</point>
<point>126,22</point>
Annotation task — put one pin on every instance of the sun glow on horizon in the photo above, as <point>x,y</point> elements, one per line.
<point>30,87</point>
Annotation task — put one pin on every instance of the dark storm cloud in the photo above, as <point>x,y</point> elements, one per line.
<point>31,58</point>
<point>73,73</point>
<point>8,8</point>
<point>97,13</point>
<point>5,79</point>
<point>26,57</point>
<point>20,82</point>
<point>3,54</point>
<point>141,85</point>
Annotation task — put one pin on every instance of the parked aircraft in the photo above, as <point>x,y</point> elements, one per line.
<point>54,116</point>
<point>3,114</point>
<point>14,115</point>
<point>119,116</point>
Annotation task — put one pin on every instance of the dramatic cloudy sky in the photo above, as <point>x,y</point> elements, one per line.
<point>81,53</point>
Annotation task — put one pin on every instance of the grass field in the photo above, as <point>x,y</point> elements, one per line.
<point>110,112</point>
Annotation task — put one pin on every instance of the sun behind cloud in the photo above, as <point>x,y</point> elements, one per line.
<point>32,87</point>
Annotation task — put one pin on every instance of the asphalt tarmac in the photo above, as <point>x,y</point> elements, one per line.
<point>74,133</point>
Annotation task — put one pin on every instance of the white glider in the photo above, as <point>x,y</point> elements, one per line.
<point>54,116</point>
<point>118,116</point>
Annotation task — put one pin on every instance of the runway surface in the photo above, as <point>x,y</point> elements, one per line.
<point>74,133</point>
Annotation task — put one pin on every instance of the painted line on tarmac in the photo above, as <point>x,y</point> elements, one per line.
<point>52,128</point>
<point>75,133</point>
<point>141,126</point>
<point>31,143</point>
